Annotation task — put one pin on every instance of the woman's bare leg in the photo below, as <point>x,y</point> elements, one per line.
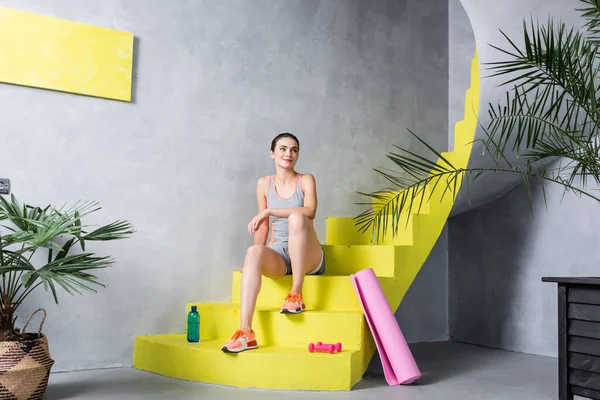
<point>260,260</point>
<point>304,247</point>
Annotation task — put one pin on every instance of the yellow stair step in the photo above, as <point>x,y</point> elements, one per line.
<point>323,292</point>
<point>344,231</point>
<point>462,144</point>
<point>268,367</point>
<point>221,320</point>
<point>349,259</point>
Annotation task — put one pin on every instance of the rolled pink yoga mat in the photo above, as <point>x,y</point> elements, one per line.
<point>399,366</point>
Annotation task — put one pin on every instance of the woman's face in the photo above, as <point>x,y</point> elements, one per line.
<point>285,153</point>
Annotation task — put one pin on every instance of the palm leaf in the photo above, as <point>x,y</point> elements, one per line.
<point>31,228</point>
<point>68,272</point>
<point>591,13</point>
<point>12,211</point>
<point>404,198</point>
<point>113,231</point>
<point>555,98</point>
<point>393,203</point>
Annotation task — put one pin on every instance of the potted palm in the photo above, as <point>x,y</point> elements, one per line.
<point>42,247</point>
<point>546,130</point>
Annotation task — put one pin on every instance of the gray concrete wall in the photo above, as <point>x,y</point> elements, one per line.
<point>461,49</point>
<point>423,315</point>
<point>499,252</point>
<point>498,255</point>
<point>214,82</point>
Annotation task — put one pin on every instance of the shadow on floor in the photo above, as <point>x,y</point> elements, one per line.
<point>438,361</point>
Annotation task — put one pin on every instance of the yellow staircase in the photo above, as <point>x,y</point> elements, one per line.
<point>333,312</point>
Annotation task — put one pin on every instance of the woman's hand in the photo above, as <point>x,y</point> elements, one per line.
<point>258,220</point>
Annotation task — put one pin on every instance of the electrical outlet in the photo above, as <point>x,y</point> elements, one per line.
<point>4,186</point>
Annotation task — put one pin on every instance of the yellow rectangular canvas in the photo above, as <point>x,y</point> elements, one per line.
<point>56,54</point>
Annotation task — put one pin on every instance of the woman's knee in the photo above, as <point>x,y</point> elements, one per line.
<point>297,222</point>
<point>254,256</point>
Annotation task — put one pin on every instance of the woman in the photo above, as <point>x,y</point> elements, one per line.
<point>287,204</point>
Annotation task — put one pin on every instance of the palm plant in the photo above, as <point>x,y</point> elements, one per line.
<point>50,234</point>
<point>548,123</point>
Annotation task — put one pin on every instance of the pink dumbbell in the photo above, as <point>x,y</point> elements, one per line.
<point>325,347</point>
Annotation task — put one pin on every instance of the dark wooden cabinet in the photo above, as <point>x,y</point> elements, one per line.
<point>578,337</point>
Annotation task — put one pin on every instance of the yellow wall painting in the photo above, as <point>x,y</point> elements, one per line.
<point>56,54</point>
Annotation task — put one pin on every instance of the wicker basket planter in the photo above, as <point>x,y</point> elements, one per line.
<point>25,365</point>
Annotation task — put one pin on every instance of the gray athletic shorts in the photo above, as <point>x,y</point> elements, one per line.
<point>282,250</point>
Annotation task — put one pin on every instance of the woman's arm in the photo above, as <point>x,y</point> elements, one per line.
<point>262,233</point>
<point>310,201</point>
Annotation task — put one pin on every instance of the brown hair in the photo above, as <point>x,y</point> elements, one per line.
<point>281,136</point>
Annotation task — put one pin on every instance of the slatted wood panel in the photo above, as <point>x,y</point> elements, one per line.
<point>586,295</point>
<point>590,394</point>
<point>583,379</point>
<point>585,312</point>
<point>584,362</point>
<point>584,329</point>
<point>584,345</point>
<point>578,337</point>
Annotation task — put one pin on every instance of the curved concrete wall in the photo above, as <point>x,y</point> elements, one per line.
<point>487,18</point>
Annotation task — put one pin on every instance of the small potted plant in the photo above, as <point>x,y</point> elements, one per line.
<point>59,237</point>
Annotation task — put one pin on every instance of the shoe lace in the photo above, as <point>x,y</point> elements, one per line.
<point>293,298</point>
<point>238,334</point>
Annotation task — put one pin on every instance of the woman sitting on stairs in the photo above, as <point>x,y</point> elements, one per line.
<point>287,201</point>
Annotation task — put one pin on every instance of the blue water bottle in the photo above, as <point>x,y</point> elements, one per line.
<point>193,325</point>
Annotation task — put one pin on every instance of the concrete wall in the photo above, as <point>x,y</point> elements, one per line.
<point>423,313</point>
<point>498,255</point>
<point>499,252</point>
<point>214,81</point>
<point>461,48</point>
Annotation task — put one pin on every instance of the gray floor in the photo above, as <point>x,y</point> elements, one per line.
<point>451,371</point>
